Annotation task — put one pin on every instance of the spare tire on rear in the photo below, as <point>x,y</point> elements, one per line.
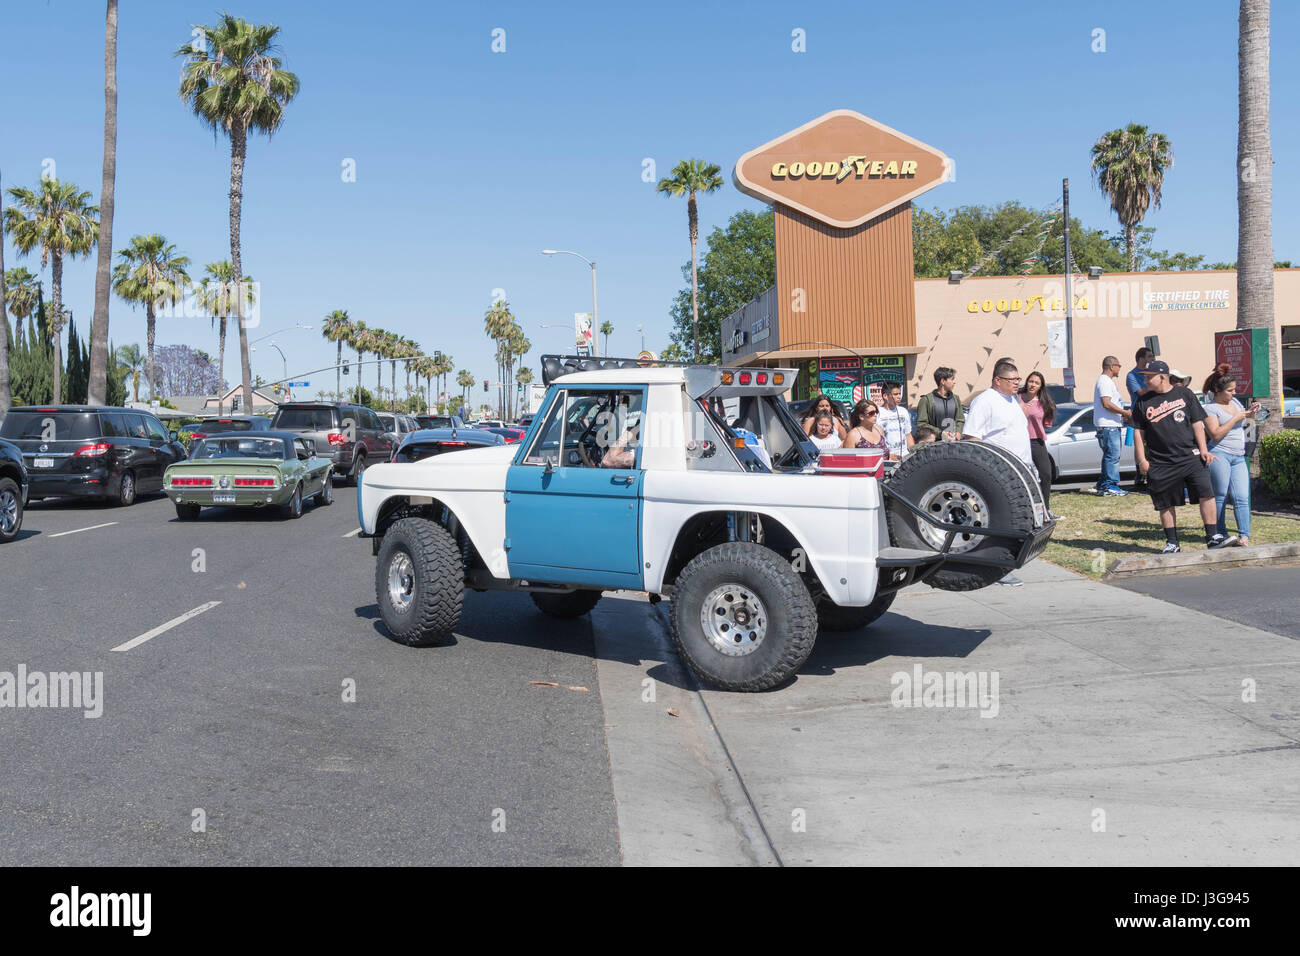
<point>971,483</point>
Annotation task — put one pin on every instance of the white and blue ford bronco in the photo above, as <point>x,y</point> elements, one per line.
<point>640,478</point>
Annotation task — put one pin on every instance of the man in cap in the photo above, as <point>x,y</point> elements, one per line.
<point>1169,445</point>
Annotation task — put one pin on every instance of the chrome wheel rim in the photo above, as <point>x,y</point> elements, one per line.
<point>954,502</point>
<point>8,512</point>
<point>128,488</point>
<point>734,620</point>
<point>401,582</point>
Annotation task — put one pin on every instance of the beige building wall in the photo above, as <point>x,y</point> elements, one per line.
<point>970,324</point>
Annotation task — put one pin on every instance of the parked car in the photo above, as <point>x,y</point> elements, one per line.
<point>489,423</point>
<point>511,435</point>
<point>525,421</point>
<point>428,442</point>
<point>250,470</point>
<point>350,436</point>
<point>1290,401</point>
<point>433,421</point>
<point>398,424</point>
<point>753,554</point>
<point>1072,443</point>
<point>92,451</point>
<point>13,490</point>
<point>215,425</point>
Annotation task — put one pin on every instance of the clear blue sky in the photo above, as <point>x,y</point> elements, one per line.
<point>470,162</point>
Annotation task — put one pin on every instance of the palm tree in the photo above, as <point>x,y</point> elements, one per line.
<point>131,359</point>
<point>359,339</point>
<point>4,331</point>
<point>1255,193</point>
<point>1129,165</point>
<point>441,370</point>
<point>687,178</point>
<point>606,329</point>
<point>23,296</point>
<point>59,219</point>
<point>218,295</point>
<point>465,379</point>
<point>98,384</point>
<point>150,272</point>
<point>336,328</point>
<point>233,82</point>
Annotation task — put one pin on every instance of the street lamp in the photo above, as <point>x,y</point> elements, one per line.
<point>641,329</point>
<point>595,318</point>
<point>287,328</point>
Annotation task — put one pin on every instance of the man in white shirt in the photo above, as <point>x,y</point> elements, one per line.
<point>1109,417</point>
<point>996,416</point>
<point>894,420</point>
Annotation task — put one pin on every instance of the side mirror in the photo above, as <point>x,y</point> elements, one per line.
<point>1074,430</point>
<point>549,468</point>
<point>174,435</point>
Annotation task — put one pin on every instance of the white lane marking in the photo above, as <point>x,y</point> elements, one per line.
<point>354,532</point>
<point>150,635</point>
<point>79,530</point>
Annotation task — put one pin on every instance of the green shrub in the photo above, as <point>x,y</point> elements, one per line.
<point>1279,463</point>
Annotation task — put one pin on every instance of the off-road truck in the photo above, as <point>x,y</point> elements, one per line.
<point>693,483</point>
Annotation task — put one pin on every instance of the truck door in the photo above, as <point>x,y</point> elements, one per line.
<point>573,495</point>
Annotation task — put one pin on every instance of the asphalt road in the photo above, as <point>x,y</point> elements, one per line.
<point>1259,597</point>
<point>448,755</point>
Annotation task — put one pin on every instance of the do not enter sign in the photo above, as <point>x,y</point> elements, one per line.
<point>1246,352</point>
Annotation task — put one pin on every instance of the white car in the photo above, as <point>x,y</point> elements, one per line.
<point>632,479</point>
<point>1072,443</point>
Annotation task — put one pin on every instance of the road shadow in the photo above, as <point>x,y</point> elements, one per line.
<point>79,503</point>
<point>893,635</point>
<point>23,534</point>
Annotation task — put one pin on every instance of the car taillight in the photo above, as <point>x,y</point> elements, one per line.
<point>93,450</point>
<point>254,482</point>
<point>197,436</point>
<point>336,438</point>
<point>453,444</point>
<point>191,482</point>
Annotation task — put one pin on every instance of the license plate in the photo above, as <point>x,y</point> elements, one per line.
<point>43,463</point>
<point>223,497</point>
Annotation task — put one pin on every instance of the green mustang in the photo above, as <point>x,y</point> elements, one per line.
<point>249,469</point>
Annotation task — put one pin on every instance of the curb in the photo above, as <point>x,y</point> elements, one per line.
<point>1219,560</point>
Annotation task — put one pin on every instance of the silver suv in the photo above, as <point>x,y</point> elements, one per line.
<point>351,436</point>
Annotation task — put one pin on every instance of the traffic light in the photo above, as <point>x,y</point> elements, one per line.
<point>346,369</point>
<point>276,388</point>
<point>485,385</point>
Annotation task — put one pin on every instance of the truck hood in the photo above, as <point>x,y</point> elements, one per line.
<point>475,468</point>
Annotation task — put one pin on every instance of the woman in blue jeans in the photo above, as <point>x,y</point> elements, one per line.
<point>1230,471</point>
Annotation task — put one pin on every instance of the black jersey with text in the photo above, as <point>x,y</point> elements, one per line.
<point>1166,422</point>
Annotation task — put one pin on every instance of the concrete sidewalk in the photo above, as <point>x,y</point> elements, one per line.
<point>1118,735</point>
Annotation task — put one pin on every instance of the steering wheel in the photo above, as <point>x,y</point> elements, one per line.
<point>589,447</point>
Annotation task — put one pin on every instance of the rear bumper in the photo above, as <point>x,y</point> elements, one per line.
<point>244,498</point>
<point>89,485</point>
<point>900,567</point>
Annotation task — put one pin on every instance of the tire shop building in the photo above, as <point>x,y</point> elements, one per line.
<point>847,312</point>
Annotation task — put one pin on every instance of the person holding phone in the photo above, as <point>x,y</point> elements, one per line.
<point>1230,471</point>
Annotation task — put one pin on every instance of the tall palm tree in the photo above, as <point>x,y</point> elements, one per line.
<point>687,178</point>
<point>606,329</point>
<point>233,82</point>
<point>336,328</point>
<point>465,379</point>
<point>359,339</point>
<point>97,389</point>
<point>1129,165</point>
<point>1255,192</point>
<point>218,295</point>
<point>150,272</point>
<point>23,296</point>
<point>59,219</point>
<point>131,359</point>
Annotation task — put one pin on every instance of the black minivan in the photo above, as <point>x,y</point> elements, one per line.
<point>91,451</point>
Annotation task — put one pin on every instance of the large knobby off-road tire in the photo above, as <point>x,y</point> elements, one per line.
<point>966,482</point>
<point>833,617</point>
<point>742,618</point>
<point>419,582</point>
<point>572,604</point>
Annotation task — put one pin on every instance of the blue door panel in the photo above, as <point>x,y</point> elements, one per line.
<point>575,525</point>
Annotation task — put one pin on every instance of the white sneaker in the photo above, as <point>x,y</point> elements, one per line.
<point>1012,581</point>
<point>1171,548</point>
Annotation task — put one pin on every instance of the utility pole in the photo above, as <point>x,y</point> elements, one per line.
<point>1069,289</point>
